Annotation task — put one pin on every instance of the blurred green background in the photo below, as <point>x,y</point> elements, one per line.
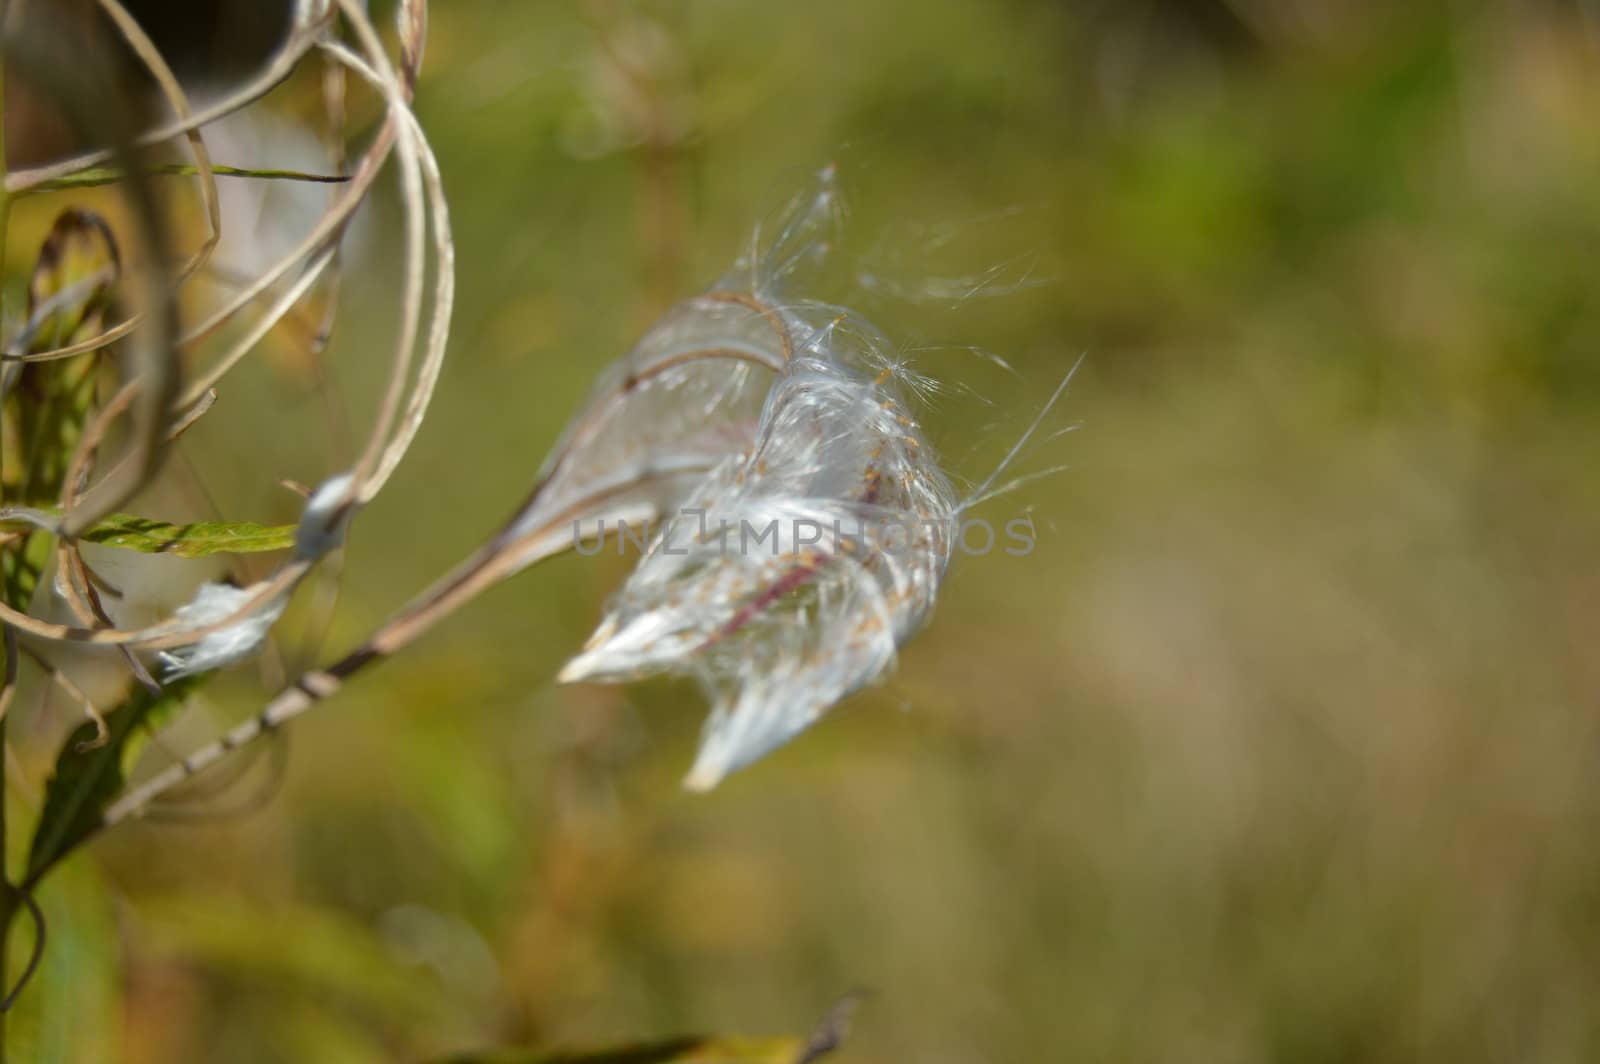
<point>1281,746</point>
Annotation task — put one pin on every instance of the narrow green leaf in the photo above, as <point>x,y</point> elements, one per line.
<point>194,540</point>
<point>680,1051</point>
<point>106,175</point>
<point>88,777</point>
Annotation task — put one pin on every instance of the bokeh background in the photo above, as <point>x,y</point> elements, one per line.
<point>1281,746</point>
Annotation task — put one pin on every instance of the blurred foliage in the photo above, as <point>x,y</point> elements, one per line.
<point>1280,747</point>
<point>70,1013</point>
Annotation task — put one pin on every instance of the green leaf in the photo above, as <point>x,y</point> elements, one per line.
<point>194,540</point>
<point>89,774</point>
<point>681,1051</point>
<point>106,175</point>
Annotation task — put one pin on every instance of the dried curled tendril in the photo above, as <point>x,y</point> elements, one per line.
<point>69,325</point>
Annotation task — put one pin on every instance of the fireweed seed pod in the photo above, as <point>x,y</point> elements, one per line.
<point>227,637</point>
<point>226,644</point>
<point>774,585</point>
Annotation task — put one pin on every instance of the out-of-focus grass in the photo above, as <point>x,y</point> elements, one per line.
<point>1280,747</point>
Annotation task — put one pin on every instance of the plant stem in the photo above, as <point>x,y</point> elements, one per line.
<point>8,910</point>
<point>8,895</point>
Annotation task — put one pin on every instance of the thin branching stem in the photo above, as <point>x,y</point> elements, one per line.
<point>34,956</point>
<point>508,553</point>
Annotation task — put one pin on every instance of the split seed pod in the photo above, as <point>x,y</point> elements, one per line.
<point>796,568</point>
